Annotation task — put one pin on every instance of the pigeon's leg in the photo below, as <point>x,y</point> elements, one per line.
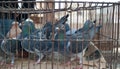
<point>12,61</point>
<point>80,62</point>
<point>40,55</point>
<point>2,62</point>
<point>73,57</point>
<point>79,67</point>
<point>68,63</point>
<point>80,55</point>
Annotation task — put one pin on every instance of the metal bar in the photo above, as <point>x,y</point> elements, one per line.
<point>79,12</point>
<point>61,2</point>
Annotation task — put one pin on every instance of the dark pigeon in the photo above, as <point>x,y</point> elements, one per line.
<point>63,21</point>
<point>11,46</point>
<point>5,26</point>
<point>80,40</point>
<point>38,44</point>
<point>85,26</point>
<point>8,45</point>
<point>49,27</point>
<point>94,55</point>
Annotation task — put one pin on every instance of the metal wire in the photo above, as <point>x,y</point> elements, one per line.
<point>105,13</point>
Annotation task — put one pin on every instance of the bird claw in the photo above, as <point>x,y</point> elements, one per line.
<point>37,62</point>
<point>68,63</point>
<point>9,65</point>
<point>79,67</point>
<point>2,62</point>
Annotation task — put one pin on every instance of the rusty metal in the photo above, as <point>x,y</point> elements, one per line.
<point>107,40</point>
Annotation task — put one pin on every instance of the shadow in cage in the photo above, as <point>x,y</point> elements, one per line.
<point>59,34</point>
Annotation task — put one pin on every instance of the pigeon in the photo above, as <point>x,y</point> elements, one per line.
<point>96,54</point>
<point>79,42</point>
<point>5,26</point>
<point>8,46</point>
<point>49,27</point>
<point>38,42</point>
<point>85,26</point>
<point>62,21</point>
<point>12,46</point>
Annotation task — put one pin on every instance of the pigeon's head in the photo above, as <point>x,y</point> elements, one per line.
<point>62,20</point>
<point>93,30</point>
<point>88,24</point>
<point>60,31</point>
<point>98,28</point>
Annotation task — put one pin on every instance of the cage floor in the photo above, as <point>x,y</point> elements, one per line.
<point>30,64</point>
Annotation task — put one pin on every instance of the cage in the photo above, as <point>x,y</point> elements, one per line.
<point>28,31</point>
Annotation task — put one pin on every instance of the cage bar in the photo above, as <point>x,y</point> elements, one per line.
<point>23,35</point>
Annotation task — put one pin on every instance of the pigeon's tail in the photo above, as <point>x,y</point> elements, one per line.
<point>64,18</point>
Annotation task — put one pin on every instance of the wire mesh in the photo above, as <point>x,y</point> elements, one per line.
<point>25,39</point>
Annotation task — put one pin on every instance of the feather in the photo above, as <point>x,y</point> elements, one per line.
<point>77,42</point>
